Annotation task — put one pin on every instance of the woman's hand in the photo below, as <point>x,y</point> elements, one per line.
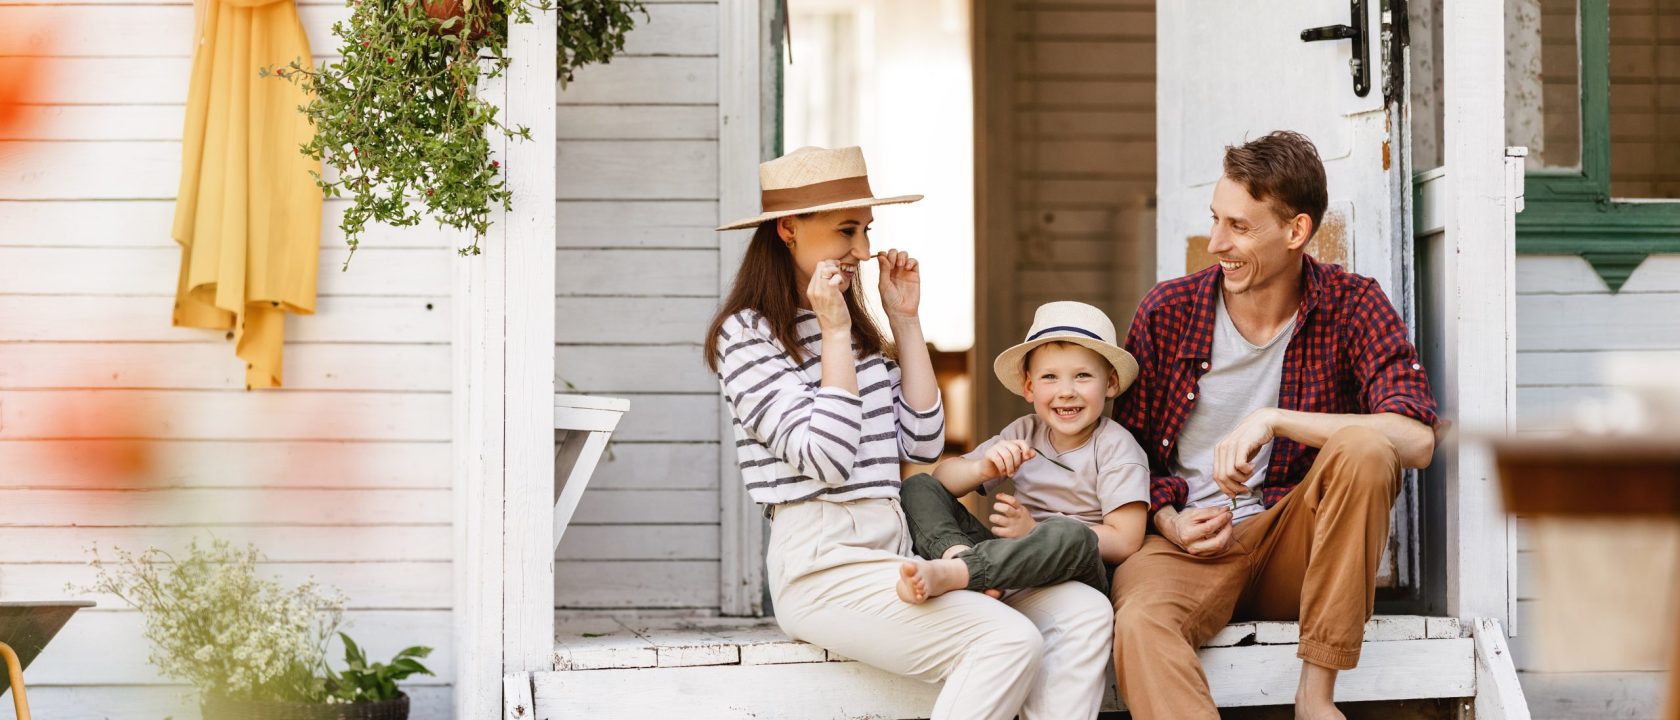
<point>827,301</point>
<point>1003,458</point>
<point>901,284</point>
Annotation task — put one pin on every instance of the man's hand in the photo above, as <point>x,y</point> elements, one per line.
<point>1233,457</point>
<point>1009,519</point>
<point>1202,532</point>
<point>1004,457</point>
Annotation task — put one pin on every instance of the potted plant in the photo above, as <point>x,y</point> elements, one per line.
<point>399,116</point>
<point>252,647</point>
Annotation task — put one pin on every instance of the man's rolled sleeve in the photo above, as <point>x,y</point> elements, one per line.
<point>1167,491</point>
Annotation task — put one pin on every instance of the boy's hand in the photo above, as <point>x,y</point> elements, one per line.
<point>1009,519</point>
<point>1004,458</point>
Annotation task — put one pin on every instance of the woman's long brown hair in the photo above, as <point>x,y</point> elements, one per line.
<point>768,283</point>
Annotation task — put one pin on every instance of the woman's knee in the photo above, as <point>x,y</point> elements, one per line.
<point>1016,637</point>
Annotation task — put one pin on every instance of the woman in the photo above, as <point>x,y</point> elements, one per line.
<point>824,410</point>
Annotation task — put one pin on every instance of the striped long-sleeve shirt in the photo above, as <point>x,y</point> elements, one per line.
<point>799,441</point>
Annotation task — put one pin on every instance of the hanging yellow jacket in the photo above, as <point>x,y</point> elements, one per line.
<point>248,215</point>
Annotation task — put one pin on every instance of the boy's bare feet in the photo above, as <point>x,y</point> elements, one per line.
<point>952,552</point>
<point>920,580</point>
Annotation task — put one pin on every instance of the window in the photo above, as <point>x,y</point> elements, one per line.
<point>1604,173</point>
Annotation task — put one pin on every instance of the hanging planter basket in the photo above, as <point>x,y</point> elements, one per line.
<point>215,708</point>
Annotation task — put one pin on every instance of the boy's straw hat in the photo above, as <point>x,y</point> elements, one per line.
<point>813,179</point>
<point>1070,322</point>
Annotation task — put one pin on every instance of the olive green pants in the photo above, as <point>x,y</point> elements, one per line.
<point>1058,550</point>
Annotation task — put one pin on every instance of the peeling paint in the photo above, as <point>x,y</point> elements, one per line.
<point>1331,243</point>
<point>1196,254</point>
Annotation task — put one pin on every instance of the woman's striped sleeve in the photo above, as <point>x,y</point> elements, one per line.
<point>814,429</point>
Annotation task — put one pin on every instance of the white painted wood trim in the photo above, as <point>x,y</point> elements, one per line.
<point>1237,676</point>
<point>1479,292</point>
<point>503,390</point>
<point>589,402</point>
<point>571,491</point>
<point>516,697</point>
<point>740,149</point>
<point>477,440</point>
<point>529,246</point>
<point>1498,694</point>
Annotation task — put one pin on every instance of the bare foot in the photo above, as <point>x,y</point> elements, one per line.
<point>955,550</point>
<point>920,580</point>
<point>1319,710</point>
<point>1314,696</point>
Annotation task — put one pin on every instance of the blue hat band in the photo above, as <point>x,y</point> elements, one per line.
<point>1065,328</point>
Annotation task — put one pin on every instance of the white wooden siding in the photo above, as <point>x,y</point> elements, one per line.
<point>120,430</point>
<point>1568,327</point>
<point>637,186</point>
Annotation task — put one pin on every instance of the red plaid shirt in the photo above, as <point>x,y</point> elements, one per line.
<point>1349,354</point>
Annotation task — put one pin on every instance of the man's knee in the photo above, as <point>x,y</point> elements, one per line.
<point>1368,451</point>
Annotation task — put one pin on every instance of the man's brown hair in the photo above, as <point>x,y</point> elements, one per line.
<point>1282,169</point>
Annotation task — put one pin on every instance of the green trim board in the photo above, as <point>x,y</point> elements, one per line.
<point>1572,213</point>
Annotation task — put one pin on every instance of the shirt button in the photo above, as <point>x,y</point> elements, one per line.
<point>1189,396</point>
<point>1163,442</point>
<point>1204,365</point>
<point>1416,366</point>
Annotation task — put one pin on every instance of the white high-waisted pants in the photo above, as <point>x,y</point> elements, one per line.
<point>1041,653</point>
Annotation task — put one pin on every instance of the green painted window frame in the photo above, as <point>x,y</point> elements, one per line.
<point>1571,212</point>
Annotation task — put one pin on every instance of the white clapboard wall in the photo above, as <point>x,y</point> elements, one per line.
<point>1568,327</point>
<point>638,281</point>
<point>118,429</point>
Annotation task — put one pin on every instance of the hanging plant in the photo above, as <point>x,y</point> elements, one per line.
<point>399,118</point>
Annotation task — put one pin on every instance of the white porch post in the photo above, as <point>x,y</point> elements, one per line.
<point>1478,327</point>
<point>504,400</point>
<point>741,144</point>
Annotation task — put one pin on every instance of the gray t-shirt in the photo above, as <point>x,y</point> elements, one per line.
<point>1241,378</point>
<point>1108,471</point>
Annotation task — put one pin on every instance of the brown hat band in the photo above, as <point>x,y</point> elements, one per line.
<point>815,194</point>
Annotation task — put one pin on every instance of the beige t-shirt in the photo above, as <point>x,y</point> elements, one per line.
<point>1108,471</point>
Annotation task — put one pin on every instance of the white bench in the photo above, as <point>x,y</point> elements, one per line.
<point>632,667</point>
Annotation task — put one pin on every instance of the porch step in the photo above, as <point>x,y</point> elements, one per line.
<point>630,666</point>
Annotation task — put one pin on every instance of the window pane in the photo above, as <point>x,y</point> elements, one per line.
<point>1645,99</point>
<point>1543,82</point>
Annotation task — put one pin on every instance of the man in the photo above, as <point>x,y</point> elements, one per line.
<point>1278,399</point>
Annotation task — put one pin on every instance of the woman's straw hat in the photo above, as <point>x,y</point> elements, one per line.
<point>813,179</point>
<point>1069,322</point>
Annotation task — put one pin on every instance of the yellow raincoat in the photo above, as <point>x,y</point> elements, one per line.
<point>248,216</point>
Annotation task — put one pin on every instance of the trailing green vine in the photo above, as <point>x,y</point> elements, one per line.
<point>398,118</point>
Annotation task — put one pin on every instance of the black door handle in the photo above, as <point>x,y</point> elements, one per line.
<point>1360,65</point>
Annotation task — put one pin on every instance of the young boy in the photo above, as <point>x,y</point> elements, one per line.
<point>1081,481</point>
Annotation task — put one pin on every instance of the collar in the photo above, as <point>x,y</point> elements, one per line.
<point>1200,346</point>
